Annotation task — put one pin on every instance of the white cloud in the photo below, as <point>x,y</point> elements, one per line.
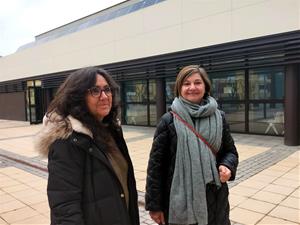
<point>22,20</point>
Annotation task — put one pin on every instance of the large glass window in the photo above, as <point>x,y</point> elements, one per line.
<point>235,116</point>
<point>136,114</point>
<point>228,85</point>
<point>264,100</point>
<point>136,91</point>
<point>266,83</point>
<point>266,118</point>
<point>140,99</point>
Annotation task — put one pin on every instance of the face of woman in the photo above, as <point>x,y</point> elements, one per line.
<point>193,88</point>
<point>99,98</point>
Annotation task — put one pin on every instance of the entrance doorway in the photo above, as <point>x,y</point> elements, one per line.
<point>34,102</point>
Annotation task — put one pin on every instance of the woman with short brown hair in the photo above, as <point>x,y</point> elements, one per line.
<point>192,157</point>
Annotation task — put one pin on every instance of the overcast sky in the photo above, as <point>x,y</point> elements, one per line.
<point>22,20</point>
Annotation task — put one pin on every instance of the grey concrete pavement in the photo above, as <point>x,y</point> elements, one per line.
<point>266,189</point>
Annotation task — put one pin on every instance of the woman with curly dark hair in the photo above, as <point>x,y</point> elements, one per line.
<point>91,178</point>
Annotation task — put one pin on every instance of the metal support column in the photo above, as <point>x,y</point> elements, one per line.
<point>292,105</point>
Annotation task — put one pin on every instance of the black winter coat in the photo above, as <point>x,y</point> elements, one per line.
<point>161,169</point>
<point>83,188</point>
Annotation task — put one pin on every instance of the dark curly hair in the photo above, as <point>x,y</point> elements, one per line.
<point>70,99</point>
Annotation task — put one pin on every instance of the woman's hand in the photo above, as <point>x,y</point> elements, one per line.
<point>224,173</point>
<point>158,217</point>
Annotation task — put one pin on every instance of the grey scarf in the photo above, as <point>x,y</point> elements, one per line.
<point>195,164</point>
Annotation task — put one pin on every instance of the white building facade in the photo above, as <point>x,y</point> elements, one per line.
<point>249,48</point>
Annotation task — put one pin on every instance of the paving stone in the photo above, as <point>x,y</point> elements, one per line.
<point>247,168</point>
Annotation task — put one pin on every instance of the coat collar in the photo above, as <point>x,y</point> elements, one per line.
<point>79,127</point>
<point>54,127</point>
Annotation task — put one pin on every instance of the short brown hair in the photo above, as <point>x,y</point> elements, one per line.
<point>188,71</point>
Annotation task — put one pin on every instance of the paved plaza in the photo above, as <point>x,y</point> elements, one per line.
<point>266,189</point>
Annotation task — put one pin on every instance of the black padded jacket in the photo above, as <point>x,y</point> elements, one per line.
<point>82,186</point>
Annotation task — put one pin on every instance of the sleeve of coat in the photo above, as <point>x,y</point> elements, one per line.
<point>66,169</point>
<point>228,155</point>
<point>154,182</point>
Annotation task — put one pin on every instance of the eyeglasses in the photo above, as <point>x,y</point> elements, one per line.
<point>97,91</point>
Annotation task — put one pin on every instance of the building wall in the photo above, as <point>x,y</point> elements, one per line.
<point>12,106</point>
<point>170,26</point>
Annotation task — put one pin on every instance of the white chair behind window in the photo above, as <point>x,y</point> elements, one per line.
<point>278,119</point>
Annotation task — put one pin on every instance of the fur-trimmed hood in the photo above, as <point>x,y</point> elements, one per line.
<point>55,128</point>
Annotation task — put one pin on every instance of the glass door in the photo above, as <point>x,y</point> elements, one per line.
<point>35,114</point>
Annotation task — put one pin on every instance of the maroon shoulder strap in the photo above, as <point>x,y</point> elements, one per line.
<point>195,132</point>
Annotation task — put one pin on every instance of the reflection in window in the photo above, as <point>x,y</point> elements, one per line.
<point>228,85</point>
<point>136,114</point>
<point>170,86</point>
<point>136,91</point>
<point>33,114</point>
<point>32,96</point>
<point>152,90</point>
<point>139,95</point>
<point>266,83</point>
<point>266,118</point>
<point>235,116</point>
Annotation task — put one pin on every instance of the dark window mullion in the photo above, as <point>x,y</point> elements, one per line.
<point>247,101</point>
